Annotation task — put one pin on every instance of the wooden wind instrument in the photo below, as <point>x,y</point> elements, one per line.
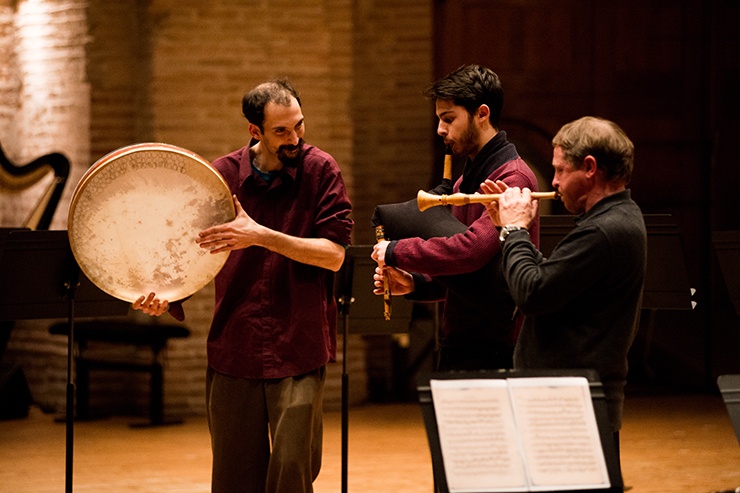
<point>380,236</point>
<point>447,170</point>
<point>426,200</point>
<point>404,220</point>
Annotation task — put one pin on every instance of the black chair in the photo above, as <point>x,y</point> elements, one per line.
<point>153,336</point>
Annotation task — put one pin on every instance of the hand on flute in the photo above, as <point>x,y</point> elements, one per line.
<point>379,252</point>
<point>399,281</point>
<point>516,207</point>
<point>379,256</point>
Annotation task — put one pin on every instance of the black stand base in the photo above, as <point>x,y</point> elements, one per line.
<point>40,279</point>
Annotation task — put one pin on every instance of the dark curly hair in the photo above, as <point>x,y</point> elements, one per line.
<point>278,91</point>
<point>471,86</point>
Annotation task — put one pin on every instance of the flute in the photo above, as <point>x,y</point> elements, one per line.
<point>447,167</point>
<point>426,200</point>
<point>380,236</point>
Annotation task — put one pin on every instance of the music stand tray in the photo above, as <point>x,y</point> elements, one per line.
<point>367,308</point>
<point>729,385</point>
<point>598,399</point>
<point>35,266</point>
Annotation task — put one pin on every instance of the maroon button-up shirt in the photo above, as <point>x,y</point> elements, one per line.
<point>275,317</point>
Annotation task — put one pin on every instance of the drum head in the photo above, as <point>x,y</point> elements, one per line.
<point>135,216</point>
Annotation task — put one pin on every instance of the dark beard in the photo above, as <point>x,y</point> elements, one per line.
<point>291,156</point>
<point>468,141</point>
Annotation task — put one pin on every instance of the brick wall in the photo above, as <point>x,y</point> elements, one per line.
<point>124,72</point>
<point>44,108</point>
<point>393,123</point>
<point>8,80</point>
<point>44,95</point>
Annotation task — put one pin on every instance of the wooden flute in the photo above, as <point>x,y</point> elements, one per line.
<point>426,200</point>
<point>380,236</point>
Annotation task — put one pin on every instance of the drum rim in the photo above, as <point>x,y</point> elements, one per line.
<point>123,151</point>
<point>110,158</point>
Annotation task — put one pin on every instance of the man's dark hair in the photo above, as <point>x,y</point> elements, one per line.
<point>471,86</point>
<point>278,91</point>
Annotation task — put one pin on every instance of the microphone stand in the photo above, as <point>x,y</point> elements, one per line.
<point>70,287</point>
<point>344,300</point>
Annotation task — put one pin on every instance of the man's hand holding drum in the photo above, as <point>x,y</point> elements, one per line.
<point>151,305</point>
<point>242,232</point>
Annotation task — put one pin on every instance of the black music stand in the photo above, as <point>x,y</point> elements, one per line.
<point>666,280</point>
<point>729,386</point>
<point>727,247</point>
<point>367,308</point>
<point>598,398</point>
<point>354,289</point>
<point>40,279</point>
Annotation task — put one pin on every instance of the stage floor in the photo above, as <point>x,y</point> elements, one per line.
<point>670,444</point>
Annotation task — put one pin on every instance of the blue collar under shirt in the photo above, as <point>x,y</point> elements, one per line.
<point>267,176</point>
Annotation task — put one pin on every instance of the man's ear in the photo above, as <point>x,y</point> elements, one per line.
<point>589,165</point>
<point>484,112</point>
<point>255,131</point>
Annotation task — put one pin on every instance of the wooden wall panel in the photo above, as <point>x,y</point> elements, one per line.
<point>665,70</point>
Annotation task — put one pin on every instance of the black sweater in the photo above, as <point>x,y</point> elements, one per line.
<point>581,304</point>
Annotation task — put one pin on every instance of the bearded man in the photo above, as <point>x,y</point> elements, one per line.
<point>468,103</point>
<point>274,326</point>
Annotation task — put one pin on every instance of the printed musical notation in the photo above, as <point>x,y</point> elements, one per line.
<point>518,434</point>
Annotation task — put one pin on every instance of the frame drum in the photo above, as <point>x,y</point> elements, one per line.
<point>134,218</point>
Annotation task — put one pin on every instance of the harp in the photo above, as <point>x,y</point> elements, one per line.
<point>16,178</point>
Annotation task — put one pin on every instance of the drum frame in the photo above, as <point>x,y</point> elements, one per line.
<point>101,165</point>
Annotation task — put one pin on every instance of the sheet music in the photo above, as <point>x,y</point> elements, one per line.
<point>558,432</point>
<point>477,434</point>
<point>519,434</point>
